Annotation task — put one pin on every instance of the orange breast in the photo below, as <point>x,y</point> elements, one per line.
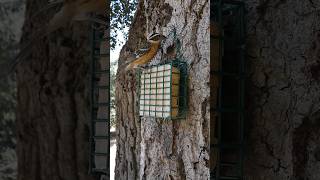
<point>148,56</point>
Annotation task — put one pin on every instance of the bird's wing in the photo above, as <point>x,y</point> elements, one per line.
<point>141,51</point>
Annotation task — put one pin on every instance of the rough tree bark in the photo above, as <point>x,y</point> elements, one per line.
<point>284,104</point>
<point>11,21</point>
<point>149,148</point>
<point>53,103</point>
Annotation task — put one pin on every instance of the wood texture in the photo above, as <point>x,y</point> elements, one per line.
<point>283,90</point>
<point>149,148</point>
<point>53,103</point>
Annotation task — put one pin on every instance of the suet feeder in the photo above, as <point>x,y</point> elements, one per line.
<point>228,67</point>
<point>99,104</point>
<point>163,91</point>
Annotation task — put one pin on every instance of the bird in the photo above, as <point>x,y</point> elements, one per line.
<point>70,11</point>
<point>155,40</point>
<point>75,10</point>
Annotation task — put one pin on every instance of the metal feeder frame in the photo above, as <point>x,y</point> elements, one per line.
<point>219,10</point>
<point>183,84</point>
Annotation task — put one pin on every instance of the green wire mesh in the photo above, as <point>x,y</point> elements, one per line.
<point>163,90</point>
<point>99,105</point>
<point>229,17</point>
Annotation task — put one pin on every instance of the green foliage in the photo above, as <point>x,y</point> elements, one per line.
<point>122,12</point>
<point>113,70</point>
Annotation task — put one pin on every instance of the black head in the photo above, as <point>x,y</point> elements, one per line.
<point>155,38</point>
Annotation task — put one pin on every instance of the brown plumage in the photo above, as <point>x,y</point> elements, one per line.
<point>70,11</point>
<point>155,43</point>
<point>171,52</point>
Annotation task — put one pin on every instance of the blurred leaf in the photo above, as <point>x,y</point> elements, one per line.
<point>121,17</point>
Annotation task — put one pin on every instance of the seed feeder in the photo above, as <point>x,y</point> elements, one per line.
<point>163,91</point>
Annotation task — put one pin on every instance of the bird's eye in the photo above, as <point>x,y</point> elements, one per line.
<point>154,36</point>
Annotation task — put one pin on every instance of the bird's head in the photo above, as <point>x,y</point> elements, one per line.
<point>155,38</point>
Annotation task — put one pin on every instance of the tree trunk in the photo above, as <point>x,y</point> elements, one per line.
<point>53,103</point>
<point>11,21</point>
<point>149,148</point>
<point>283,90</point>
